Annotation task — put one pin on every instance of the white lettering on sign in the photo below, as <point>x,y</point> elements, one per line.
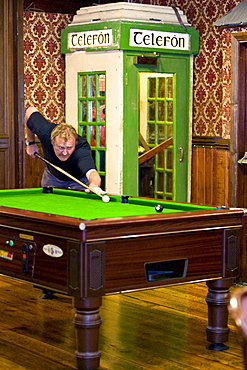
<point>90,39</point>
<point>159,39</point>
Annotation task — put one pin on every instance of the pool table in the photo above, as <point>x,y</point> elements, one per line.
<point>72,242</point>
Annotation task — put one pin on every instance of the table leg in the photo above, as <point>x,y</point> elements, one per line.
<point>87,321</point>
<point>217,299</point>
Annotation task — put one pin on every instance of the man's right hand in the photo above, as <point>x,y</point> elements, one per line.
<point>31,149</point>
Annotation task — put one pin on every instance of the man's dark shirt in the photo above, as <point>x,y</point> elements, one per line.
<point>77,164</point>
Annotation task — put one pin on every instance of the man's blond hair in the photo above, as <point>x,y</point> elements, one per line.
<point>64,131</point>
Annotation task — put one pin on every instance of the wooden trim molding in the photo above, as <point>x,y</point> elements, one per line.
<point>11,92</point>
<point>236,148</point>
<point>211,142</point>
<point>4,142</point>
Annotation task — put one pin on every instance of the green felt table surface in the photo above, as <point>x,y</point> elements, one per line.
<point>87,206</point>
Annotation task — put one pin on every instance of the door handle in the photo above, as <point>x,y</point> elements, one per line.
<point>181,154</point>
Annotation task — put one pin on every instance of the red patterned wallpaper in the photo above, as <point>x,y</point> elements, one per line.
<point>212,77</point>
<point>44,66</point>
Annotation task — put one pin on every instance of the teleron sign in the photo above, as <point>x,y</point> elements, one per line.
<point>90,39</point>
<point>138,38</point>
<point>159,39</point>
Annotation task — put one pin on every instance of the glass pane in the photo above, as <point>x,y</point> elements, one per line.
<point>160,183</point>
<point>161,111</point>
<point>92,136</point>
<point>170,111</point>
<point>102,111</point>
<point>161,163</point>
<point>91,111</point>
<point>151,136</point>
<point>161,133</point>
<point>92,86</point>
<point>83,111</point>
<point>169,159</point>
<point>161,87</point>
<point>102,161</point>
<point>151,111</point>
<point>102,85</point>
<point>102,182</point>
<point>169,182</point>
<point>169,129</point>
<point>102,136</point>
<point>84,86</point>
<point>152,87</point>
<point>84,131</point>
<point>170,87</point>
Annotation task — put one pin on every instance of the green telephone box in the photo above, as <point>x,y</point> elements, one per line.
<point>129,71</point>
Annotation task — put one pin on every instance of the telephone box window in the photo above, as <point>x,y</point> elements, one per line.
<point>92,115</point>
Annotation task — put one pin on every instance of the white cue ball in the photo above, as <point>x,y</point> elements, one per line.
<point>106,198</point>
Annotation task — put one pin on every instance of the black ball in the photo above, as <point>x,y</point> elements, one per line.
<point>48,189</point>
<point>159,208</point>
<point>125,199</point>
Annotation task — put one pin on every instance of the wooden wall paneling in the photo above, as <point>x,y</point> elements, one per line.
<point>209,176</point>
<point>202,176</point>
<point>221,177</point>
<point>243,253</point>
<point>194,176</point>
<point>33,169</point>
<point>5,65</point>
<point>10,65</point>
<point>210,172</point>
<point>18,86</point>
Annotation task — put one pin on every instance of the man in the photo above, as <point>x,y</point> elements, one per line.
<point>63,147</point>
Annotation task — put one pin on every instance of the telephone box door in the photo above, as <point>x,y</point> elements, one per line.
<point>158,116</point>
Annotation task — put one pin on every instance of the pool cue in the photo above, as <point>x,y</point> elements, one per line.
<point>67,174</point>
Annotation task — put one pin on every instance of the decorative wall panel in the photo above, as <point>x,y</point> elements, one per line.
<point>44,66</point>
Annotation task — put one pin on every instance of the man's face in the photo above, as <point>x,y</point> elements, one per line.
<point>64,149</point>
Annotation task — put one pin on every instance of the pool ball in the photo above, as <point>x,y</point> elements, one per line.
<point>159,208</point>
<point>106,198</point>
<point>125,199</point>
<point>48,189</point>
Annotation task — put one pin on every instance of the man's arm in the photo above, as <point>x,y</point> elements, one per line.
<point>94,181</point>
<point>30,149</point>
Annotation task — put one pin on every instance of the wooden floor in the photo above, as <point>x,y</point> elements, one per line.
<point>150,330</point>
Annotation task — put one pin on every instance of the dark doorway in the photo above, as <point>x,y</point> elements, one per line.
<point>239,121</point>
